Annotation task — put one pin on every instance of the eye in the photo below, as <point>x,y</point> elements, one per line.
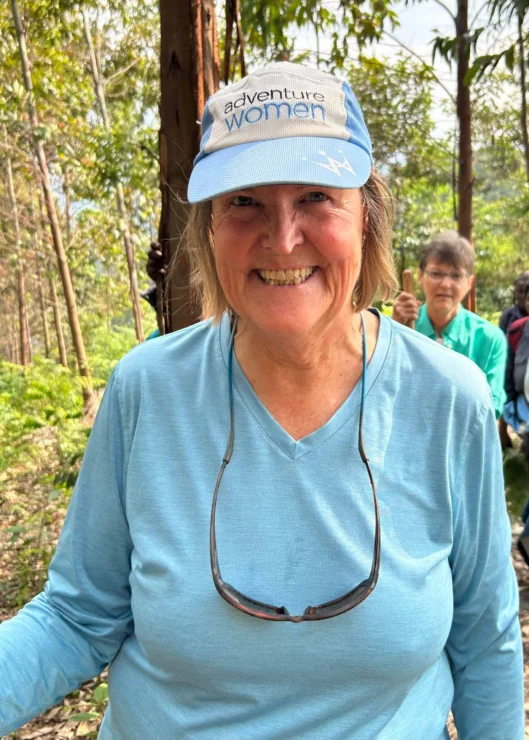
<point>315,196</point>
<point>243,200</point>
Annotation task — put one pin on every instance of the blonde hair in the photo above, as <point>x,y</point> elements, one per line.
<point>377,281</point>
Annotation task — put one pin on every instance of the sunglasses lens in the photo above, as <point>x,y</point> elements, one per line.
<point>257,608</point>
<point>347,602</point>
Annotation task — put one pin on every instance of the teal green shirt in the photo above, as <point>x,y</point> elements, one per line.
<point>479,340</point>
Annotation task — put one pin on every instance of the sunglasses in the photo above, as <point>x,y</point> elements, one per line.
<point>259,609</point>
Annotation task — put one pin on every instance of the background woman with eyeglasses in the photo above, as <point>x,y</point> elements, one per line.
<point>290,521</point>
<point>446,273</point>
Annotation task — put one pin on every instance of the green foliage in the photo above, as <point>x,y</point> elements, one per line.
<point>270,28</point>
<point>516,471</point>
<point>45,395</point>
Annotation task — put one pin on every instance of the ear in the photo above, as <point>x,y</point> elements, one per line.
<point>471,281</point>
<point>420,276</point>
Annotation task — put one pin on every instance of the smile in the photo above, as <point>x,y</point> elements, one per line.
<point>286,277</point>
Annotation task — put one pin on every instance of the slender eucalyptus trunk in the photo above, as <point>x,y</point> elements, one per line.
<point>20,267</point>
<point>62,260</point>
<point>189,73</point>
<point>15,335</point>
<point>464,114</point>
<point>67,208</point>
<point>43,312</point>
<point>120,196</point>
<point>523,107</point>
<point>63,355</point>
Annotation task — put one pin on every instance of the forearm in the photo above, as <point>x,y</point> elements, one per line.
<point>42,659</point>
<point>488,692</point>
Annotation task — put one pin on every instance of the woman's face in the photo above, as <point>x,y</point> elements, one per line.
<point>288,256</point>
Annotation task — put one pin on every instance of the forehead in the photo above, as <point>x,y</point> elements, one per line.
<point>434,264</point>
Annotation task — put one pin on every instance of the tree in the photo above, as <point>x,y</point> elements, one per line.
<point>127,238</point>
<point>188,77</point>
<point>21,289</point>
<point>69,294</point>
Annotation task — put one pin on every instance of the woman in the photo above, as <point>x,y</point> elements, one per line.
<point>406,554</point>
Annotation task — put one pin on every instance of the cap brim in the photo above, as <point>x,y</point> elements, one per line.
<point>310,160</point>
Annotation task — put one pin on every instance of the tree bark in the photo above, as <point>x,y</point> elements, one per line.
<point>210,50</point>
<point>21,288</point>
<point>64,270</point>
<point>43,312</point>
<point>15,335</point>
<point>63,355</point>
<point>523,107</point>
<point>120,196</point>
<point>188,74</point>
<point>230,20</point>
<point>464,114</point>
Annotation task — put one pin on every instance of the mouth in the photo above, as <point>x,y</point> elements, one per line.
<point>286,277</point>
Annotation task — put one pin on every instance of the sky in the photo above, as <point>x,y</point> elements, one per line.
<point>420,23</point>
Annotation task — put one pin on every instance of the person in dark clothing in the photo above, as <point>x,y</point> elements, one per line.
<point>156,270</point>
<point>513,313</point>
<point>518,311</point>
<point>516,411</point>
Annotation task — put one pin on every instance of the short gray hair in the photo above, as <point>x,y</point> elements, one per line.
<point>449,248</point>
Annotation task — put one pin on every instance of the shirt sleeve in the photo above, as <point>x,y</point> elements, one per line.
<point>504,320</point>
<point>484,645</point>
<point>495,372</point>
<point>72,630</point>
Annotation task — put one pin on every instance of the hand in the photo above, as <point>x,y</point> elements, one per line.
<point>406,308</point>
<point>156,265</point>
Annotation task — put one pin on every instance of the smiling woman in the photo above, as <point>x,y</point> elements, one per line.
<point>281,453</point>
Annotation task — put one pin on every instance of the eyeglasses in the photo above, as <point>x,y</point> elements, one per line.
<point>436,276</point>
<point>279,613</point>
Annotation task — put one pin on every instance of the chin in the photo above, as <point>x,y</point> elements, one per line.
<point>283,322</point>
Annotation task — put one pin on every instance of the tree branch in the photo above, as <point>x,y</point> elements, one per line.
<point>427,66</point>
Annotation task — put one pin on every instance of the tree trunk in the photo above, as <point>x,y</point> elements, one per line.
<point>464,114</point>
<point>63,355</point>
<point>21,289</point>
<point>523,108</point>
<point>75,327</point>
<point>67,208</point>
<point>14,334</point>
<point>43,312</point>
<point>120,197</point>
<point>188,74</point>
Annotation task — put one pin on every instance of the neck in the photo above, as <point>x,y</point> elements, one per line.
<point>440,320</point>
<point>303,381</point>
<point>299,356</point>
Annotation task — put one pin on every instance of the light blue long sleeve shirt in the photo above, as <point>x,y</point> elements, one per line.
<point>131,584</point>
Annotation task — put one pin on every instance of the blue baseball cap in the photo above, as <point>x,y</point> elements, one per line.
<point>285,123</point>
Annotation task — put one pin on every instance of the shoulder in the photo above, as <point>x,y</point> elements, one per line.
<point>436,377</point>
<point>519,324</point>
<point>488,332</point>
<point>174,357</point>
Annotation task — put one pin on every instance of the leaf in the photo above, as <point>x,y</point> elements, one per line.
<point>83,729</point>
<point>100,694</point>
<point>83,717</point>
<point>509,58</point>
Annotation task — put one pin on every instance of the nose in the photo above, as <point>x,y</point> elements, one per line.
<point>446,278</point>
<point>281,231</point>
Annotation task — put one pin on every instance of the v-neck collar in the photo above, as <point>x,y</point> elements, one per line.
<point>271,428</point>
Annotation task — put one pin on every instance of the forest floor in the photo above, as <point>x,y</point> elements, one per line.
<point>29,528</point>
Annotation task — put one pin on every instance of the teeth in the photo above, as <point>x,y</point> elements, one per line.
<point>286,277</point>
